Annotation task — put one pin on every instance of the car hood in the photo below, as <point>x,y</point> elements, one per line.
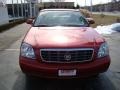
<point>46,37</point>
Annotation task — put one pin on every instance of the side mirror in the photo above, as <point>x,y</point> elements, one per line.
<point>29,21</point>
<point>90,20</point>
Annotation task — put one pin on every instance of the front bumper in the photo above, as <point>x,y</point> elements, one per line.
<point>48,70</point>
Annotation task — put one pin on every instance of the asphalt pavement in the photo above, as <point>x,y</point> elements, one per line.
<point>11,77</point>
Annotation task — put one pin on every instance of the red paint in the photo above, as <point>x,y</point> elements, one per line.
<point>63,37</point>
<point>43,37</point>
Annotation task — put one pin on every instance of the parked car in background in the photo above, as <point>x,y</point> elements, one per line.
<point>108,29</point>
<point>61,44</point>
<point>115,26</point>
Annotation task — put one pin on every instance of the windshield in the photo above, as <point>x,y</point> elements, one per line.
<point>60,18</point>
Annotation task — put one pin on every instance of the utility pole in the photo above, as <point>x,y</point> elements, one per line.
<point>85,4</point>
<point>91,6</point>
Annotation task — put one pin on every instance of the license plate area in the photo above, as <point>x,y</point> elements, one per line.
<point>67,72</point>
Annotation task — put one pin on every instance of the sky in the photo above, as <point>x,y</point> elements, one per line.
<point>80,2</point>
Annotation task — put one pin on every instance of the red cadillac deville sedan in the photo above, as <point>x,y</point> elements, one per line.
<point>60,44</point>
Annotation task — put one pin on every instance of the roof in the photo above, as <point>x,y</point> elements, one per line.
<point>60,9</point>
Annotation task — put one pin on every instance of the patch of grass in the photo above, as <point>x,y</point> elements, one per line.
<point>103,19</point>
<point>10,25</point>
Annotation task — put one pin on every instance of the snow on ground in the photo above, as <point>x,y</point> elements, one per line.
<point>104,29</point>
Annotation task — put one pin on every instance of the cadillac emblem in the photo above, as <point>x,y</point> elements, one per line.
<point>67,57</point>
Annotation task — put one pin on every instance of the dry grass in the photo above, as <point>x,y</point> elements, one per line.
<point>103,19</point>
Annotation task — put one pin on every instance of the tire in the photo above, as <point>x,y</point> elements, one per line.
<point>96,76</point>
<point>29,77</point>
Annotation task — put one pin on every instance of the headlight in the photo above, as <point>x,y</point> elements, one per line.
<point>27,51</point>
<point>103,50</point>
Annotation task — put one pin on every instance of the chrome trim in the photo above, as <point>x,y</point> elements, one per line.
<point>73,49</point>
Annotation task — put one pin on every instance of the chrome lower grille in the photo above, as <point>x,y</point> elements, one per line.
<point>67,55</point>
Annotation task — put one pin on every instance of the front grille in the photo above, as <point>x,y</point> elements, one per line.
<point>67,55</point>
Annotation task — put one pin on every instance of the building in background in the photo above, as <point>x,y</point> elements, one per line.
<point>44,5</point>
<point>34,9</point>
<point>27,9</point>
<point>4,19</point>
<point>22,12</point>
<point>17,9</point>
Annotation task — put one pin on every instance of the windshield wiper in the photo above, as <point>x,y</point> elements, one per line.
<point>42,25</point>
<point>70,25</point>
<point>73,25</point>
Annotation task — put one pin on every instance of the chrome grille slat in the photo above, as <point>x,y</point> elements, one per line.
<point>58,55</point>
